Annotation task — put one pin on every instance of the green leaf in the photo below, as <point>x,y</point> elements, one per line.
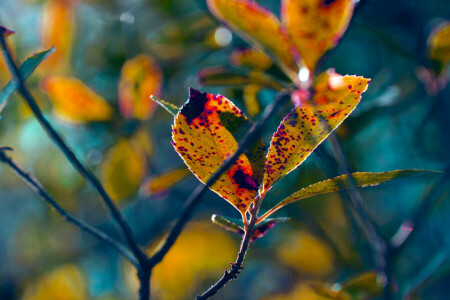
<point>26,69</point>
<point>230,224</point>
<point>362,179</point>
<point>171,108</point>
<point>221,76</point>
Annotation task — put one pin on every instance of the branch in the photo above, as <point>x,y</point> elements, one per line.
<point>39,189</point>
<point>194,198</point>
<point>70,155</point>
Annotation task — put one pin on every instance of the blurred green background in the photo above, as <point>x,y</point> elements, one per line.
<point>402,122</point>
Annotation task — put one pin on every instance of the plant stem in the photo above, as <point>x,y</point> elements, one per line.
<point>40,190</point>
<point>70,155</point>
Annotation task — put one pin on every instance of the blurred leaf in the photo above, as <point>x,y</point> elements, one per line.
<point>439,45</point>
<point>262,228</point>
<point>161,183</point>
<point>250,58</point>
<point>316,26</point>
<point>250,98</point>
<point>143,139</point>
<point>140,77</point>
<point>123,169</point>
<point>365,282</point>
<point>26,69</point>
<point>221,76</point>
<point>306,126</point>
<point>6,32</point>
<point>362,179</point>
<point>203,142</point>
<point>171,108</point>
<point>259,27</point>
<point>311,291</point>
<point>64,283</point>
<point>305,253</point>
<point>58,30</point>
<point>73,101</point>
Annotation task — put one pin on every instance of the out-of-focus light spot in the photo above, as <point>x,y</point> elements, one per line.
<point>94,156</point>
<point>127,17</point>
<point>335,82</point>
<point>223,36</point>
<point>303,74</point>
<point>336,287</point>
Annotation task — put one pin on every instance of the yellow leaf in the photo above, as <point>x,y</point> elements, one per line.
<point>202,138</point>
<point>58,29</point>
<point>140,77</point>
<point>439,44</point>
<point>309,124</point>
<point>73,101</point>
<point>258,26</point>
<point>64,283</point>
<point>161,183</point>
<point>305,253</point>
<point>250,58</point>
<point>315,26</point>
<point>251,99</point>
<point>123,169</point>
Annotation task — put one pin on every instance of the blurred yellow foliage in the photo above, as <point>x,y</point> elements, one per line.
<point>73,101</point>
<point>305,253</point>
<point>439,44</point>
<point>64,283</point>
<point>161,183</point>
<point>251,99</point>
<point>310,291</point>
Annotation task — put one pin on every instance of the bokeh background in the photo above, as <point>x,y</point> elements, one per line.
<point>402,122</point>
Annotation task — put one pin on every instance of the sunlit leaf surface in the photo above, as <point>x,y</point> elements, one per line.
<point>316,26</point>
<point>140,77</point>
<point>161,183</point>
<point>201,136</point>
<point>343,182</point>
<point>123,169</point>
<point>74,101</point>
<point>307,125</point>
<point>258,26</point>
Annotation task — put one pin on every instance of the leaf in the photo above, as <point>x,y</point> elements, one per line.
<point>161,183</point>
<point>171,108</point>
<point>123,169</point>
<point>316,26</point>
<point>203,142</point>
<point>362,179</point>
<point>250,97</point>
<point>140,77</point>
<point>365,282</point>
<point>221,76</point>
<point>58,30</point>
<point>6,32</point>
<point>250,58</point>
<point>311,290</point>
<point>73,101</point>
<point>307,125</point>
<point>439,45</point>
<point>259,27</point>
<point>26,69</point>
<point>228,224</point>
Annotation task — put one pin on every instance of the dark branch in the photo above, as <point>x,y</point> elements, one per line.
<point>70,155</point>
<point>39,189</point>
<point>194,198</point>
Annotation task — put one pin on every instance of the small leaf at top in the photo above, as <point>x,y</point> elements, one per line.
<point>203,142</point>
<point>258,26</point>
<point>308,124</point>
<point>316,26</point>
<point>26,69</point>
<point>171,108</point>
<point>140,77</point>
<point>73,101</point>
<point>362,179</point>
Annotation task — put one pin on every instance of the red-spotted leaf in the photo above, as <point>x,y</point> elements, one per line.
<point>316,26</point>
<point>362,179</point>
<point>258,26</point>
<point>309,123</point>
<point>201,137</point>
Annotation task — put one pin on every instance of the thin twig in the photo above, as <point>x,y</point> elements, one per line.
<point>194,198</point>
<point>236,267</point>
<point>70,155</point>
<point>40,190</point>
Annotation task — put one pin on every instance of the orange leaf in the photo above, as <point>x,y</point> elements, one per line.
<point>258,26</point>
<point>316,26</point>
<point>307,125</point>
<point>202,139</point>
<point>73,101</point>
<point>161,183</point>
<point>123,169</point>
<point>140,77</point>
<point>58,29</point>
<point>250,58</point>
